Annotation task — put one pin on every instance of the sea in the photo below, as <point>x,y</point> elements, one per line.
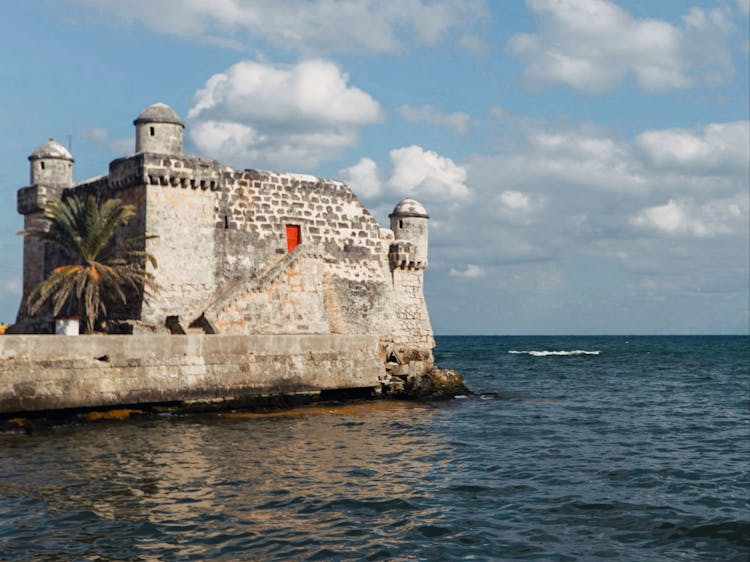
<point>623,448</point>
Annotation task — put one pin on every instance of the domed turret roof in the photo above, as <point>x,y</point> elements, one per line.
<point>51,149</point>
<point>409,208</point>
<point>158,113</point>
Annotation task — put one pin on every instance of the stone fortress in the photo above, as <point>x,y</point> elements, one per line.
<point>246,252</point>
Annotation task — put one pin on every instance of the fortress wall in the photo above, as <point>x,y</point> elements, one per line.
<point>294,303</point>
<point>341,287</point>
<point>53,372</point>
<point>181,196</point>
<point>217,227</point>
<point>184,251</point>
<point>360,307</point>
<point>260,204</point>
<point>240,251</point>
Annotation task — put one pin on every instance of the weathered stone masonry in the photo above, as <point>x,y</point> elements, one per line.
<point>226,264</point>
<point>49,373</point>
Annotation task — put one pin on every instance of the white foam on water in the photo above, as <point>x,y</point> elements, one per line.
<point>546,353</point>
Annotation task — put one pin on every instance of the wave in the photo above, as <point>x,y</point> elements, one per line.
<point>546,353</point>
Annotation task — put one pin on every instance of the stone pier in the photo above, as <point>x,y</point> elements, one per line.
<point>42,372</point>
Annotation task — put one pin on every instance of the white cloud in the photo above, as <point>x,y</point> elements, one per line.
<point>576,144</point>
<point>514,200</point>
<point>711,159</point>
<point>687,218</point>
<point>458,121</point>
<point>363,178</point>
<point>313,90</point>
<point>424,174</point>
<point>256,114</point>
<point>593,45</point>
<point>470,272</point>
<point>717,147</point>
<point>303,25</point>
<point>230,140</point>
<point>553,191</point>
<point>556,191</point>
<point>567,159</point>
<point>517,208</point>
<point>668,218</point>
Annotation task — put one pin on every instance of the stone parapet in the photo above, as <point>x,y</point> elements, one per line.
<point>55,372</point>
<point>31,199</point>
<point>166,170</point>
<point>403,255</point>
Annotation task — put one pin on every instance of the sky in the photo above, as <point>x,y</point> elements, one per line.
<point>585,163</point>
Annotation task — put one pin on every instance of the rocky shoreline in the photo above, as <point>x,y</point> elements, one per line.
<point>435,384</point>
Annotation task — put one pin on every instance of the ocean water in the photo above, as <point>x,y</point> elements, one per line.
<point>572,448</point>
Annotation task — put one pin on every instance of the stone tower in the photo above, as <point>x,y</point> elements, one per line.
<point>409,225</point>
<point>51,165</point>
<point>158,129</point>
<point>51,171</point>
<point>408,259</point>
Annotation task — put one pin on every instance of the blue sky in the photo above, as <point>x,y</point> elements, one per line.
<point>584,162</point>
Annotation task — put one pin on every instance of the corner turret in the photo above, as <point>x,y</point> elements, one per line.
<point>409,223</point>
<point>158,129</point>
<point>50,172</point>
<point>51,164</point>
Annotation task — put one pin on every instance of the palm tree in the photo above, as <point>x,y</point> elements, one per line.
<point>95,269</point>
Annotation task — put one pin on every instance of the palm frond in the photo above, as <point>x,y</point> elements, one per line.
<point>99,269</point>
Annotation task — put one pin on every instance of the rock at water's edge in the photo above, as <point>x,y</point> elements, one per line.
<point>435,384</point>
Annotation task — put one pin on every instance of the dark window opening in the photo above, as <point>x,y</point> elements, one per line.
<point>152,131</point>
<point>42,163</point>
<point>293,237</point>
<point>400,224</point>
<point>173,325</point>
<point>226,222</point>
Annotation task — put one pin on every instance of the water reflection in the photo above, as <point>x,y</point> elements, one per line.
<point>282,483</point>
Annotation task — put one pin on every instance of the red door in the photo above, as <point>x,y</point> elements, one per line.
<point>292,237</point>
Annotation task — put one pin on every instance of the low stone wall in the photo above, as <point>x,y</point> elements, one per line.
<point>39,372</point>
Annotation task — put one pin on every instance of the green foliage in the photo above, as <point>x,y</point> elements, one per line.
<point>96,270</point>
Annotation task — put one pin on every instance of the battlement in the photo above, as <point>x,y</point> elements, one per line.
<point>165,170</point>
<point>403,254</point>
<point>31,199</point>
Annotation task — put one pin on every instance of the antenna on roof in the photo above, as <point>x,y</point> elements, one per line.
<point>70,143</point>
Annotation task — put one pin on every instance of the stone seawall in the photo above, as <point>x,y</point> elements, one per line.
<point>40,372</point>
